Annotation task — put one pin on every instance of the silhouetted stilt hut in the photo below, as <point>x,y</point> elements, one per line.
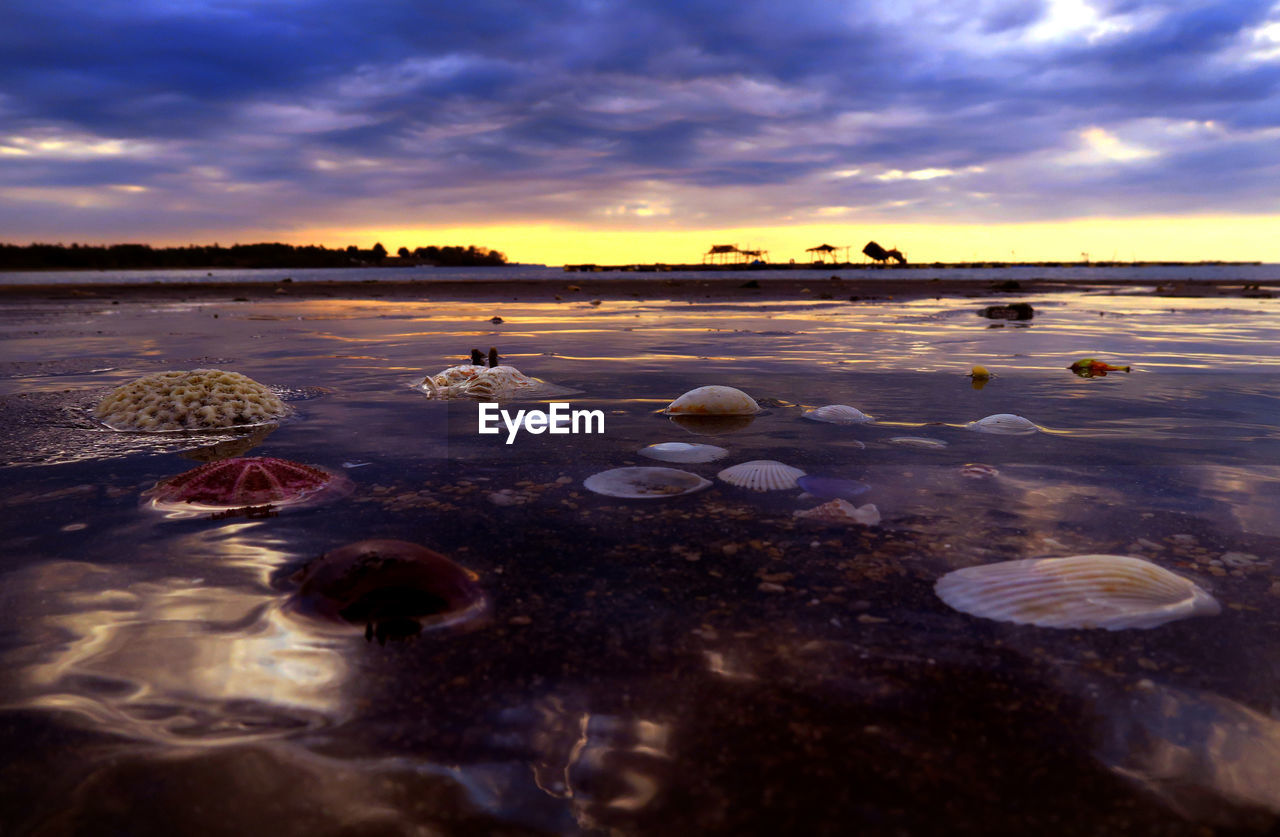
<point>720,254</point>
<point>824,250</point>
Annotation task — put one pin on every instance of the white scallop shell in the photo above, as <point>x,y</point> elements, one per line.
<point>1005,424</point>
<point>683,452</point>
<point>761,475</point>
<point>842,512</point>
<point>644,483</point>
<point>838,414</point>
<point>1082,591</point>
<point>713,401</point>
<point>917,442</point>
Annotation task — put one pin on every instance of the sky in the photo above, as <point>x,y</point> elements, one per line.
<point>618,131</point>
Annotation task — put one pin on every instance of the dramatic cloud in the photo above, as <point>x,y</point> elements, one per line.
<point>162,119</point>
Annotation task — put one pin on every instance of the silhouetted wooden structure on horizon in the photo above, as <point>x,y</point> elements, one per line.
<point>824,250</point>
<point>720,254</point>
<point>881,255</point>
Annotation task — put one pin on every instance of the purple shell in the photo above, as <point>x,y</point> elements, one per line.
<point>832,487</point>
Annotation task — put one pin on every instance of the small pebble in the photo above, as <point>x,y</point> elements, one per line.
<point>501,498</point>
<point>1239,559</point>
<point>770,587</point>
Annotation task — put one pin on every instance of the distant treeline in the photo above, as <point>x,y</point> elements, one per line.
<point>142,256</point>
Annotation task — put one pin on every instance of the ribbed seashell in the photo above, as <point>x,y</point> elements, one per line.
<point>644,483</point>
<point>917,442</point>
<point>842,513</point>
<point>1005,424</point>
<point>838,414</point>
<point>978,471</point>
<point>714,401</point>
<point>761,475</point>
<point>683,452</point>
<point>1081,591</point>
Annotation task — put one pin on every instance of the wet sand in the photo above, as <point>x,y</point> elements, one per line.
<point>577,287</point>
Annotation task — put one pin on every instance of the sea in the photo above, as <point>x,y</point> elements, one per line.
<point>1141,272</point>
<point>681,663</point>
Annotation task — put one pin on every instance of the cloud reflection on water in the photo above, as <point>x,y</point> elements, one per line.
<point>175,659</point>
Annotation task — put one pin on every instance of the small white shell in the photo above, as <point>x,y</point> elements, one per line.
<point>917,442</point>
<point>644,483</point>
<point>1082,591</point>
<point>838,414</point>
<point>713,401</point>
<point>683,452</point>
<point>1004,424</point>
<point>978,471</point>
<point>842,512</point>
<point>761,475</point>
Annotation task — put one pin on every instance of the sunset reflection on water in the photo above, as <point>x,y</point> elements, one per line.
<point>644,661</point>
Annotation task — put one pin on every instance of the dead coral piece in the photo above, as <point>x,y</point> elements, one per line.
<point>201,399</point>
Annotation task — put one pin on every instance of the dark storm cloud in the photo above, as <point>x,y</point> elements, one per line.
<point>252,110</point>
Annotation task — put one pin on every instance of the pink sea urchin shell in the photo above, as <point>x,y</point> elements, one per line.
<point>248,481</point>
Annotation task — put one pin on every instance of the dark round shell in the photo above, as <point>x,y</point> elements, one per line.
<point>379,581</point>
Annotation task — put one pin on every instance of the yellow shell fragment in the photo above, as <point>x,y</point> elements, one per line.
<point>197,400</point>
<point>1082,591</point>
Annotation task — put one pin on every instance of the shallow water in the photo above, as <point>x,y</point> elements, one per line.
<point>705,664</point>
